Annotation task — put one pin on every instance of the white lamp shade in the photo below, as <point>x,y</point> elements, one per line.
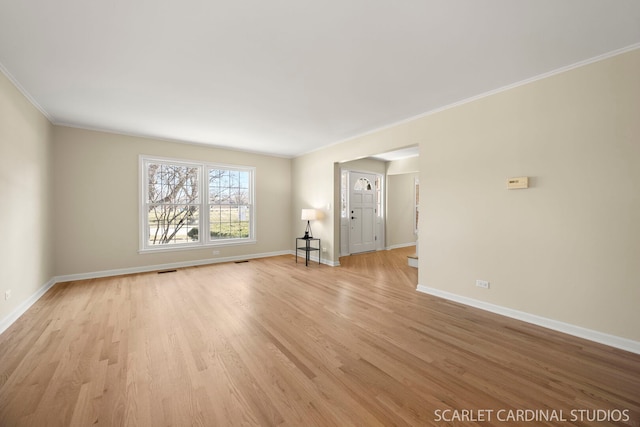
<point>309,214</point>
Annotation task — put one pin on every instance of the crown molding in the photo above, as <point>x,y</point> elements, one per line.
<point>542,76</point>
<point>25,93</point>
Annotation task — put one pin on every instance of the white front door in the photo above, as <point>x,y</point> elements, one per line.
<point>362,212</point>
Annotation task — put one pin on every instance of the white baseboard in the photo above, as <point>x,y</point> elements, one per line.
<point>401,245</point>
<point>156,267</point>
<point>22,308</point>
<point>567,328</point>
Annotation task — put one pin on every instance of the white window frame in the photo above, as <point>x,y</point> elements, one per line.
<point>203,204</point>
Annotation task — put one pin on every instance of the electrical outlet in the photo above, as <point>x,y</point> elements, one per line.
<point>216,252</point>
<point>7,294</point>
<point>324,250</point>
<point>482,284</point>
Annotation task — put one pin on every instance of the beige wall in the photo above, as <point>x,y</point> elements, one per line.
<point>565,249</point>
<point>400,207</point>
<point>25,215</point>
<point>96,201</point>
<point>401,176</point>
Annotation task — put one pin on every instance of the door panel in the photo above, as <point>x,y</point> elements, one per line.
<point>368,235</point>
<point>362,208</point>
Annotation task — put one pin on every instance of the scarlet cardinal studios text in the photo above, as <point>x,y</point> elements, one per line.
<point>532,415</point>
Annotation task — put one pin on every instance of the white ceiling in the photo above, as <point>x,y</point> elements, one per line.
<point>288,76</point>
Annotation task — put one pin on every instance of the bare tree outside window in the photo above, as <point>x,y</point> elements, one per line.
<point>173,203</point>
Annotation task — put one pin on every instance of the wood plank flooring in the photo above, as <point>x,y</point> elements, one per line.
<point>274,343</point>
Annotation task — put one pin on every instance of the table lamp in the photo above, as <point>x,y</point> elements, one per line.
<point>309,215</point>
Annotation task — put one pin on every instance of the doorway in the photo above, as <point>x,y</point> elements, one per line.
<point>355,235</point>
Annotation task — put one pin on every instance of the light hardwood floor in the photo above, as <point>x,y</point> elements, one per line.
<point>270,342</point>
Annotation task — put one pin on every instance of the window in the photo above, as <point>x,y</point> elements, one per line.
<point>379,196</point>
<point>416,206</point>
<point>172,203</point>
<point>344,185</point>
<point>362,184</point>
<point>190,204</point>
<point>229,204</point>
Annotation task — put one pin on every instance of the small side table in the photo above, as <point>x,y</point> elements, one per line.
<point>307,247</point>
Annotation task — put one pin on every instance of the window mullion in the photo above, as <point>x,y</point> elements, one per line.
<point>204,207</point>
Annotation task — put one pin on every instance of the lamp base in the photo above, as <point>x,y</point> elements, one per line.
<point>307,232</point>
